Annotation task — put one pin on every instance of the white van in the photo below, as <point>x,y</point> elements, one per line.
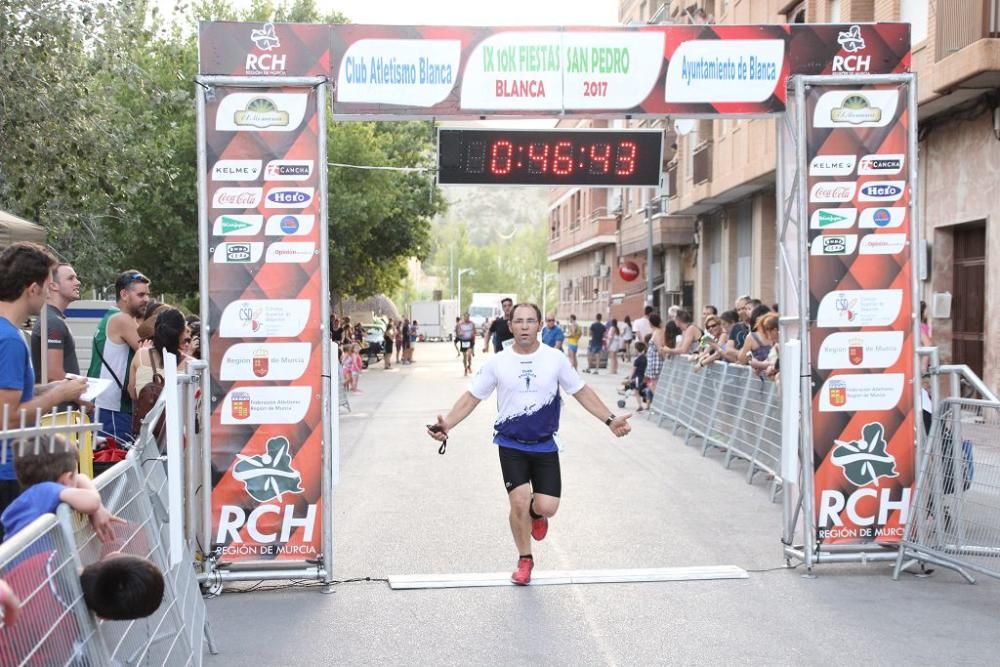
<point>82,317</point>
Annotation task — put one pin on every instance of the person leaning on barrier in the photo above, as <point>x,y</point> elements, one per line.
<point>755,347</point>
<point>690,333</point>
<point>25,271</point>
<point>46,470</point>
<point>114,345</point>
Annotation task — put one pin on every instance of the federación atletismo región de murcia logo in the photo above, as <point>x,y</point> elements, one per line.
<point>269,475</point>
<point>866,459</point>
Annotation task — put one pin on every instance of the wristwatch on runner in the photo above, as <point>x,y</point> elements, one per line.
<point>607,422</point>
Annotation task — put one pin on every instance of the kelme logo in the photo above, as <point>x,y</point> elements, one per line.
<point>865,460</point>
<point>270,475</point>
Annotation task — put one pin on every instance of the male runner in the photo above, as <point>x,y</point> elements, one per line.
<point>527,377</point>
<point>499,330</point>
<point>465,338</point>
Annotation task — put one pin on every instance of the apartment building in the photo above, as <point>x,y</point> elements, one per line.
<point>720,176</point>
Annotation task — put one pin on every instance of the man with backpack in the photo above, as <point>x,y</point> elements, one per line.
<point>115,343</point>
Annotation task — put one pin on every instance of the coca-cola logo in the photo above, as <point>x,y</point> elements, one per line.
<point>832,192</point>
<point>243,198</point>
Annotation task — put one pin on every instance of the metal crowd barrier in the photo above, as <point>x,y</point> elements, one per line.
<point>727,407</point>
<point>955,512</point>
<point>42,564</point>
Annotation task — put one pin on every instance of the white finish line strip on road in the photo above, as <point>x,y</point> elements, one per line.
<point>555,577</point>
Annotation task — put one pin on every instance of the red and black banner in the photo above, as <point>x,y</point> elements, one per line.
<point>263,191</point>
<point>449,71</point>
<point>861,313</point>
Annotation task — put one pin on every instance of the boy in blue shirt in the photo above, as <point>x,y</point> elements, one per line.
<point>46,471</point>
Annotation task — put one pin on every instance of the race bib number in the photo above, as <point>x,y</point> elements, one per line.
<point>465,344</point>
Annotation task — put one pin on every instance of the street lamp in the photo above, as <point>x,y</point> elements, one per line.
<point>460,272</point>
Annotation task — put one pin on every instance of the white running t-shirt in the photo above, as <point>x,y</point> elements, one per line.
<point>528,400</point>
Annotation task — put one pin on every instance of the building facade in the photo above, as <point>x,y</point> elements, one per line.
<point>715,213</point>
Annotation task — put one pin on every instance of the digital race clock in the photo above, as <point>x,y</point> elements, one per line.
<point>595,158</point>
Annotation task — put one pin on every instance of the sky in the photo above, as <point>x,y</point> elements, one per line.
<point>464,12</point>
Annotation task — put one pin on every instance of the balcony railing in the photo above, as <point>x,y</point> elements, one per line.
<point>965,22</point>
<point>701,166</point>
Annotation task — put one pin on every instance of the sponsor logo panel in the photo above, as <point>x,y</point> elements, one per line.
<point>859,308</point>
<point>236,170</point>
<point>876,164</point>
<point>238,252</point>
<point>861,349</point>
<point>265,361</point>
<point>289,198</point>
<point>832,191</point>
<point>288,170</point>
<point>238,198</point>
<point>291,252</point>
<point>833,218</point>
<point>289,225</point>
<point>856,108</point>
<point>851,42</point>
<point>834,244</point>
<point>264,318</point>
<point>739,70</point>
<point>882,217</point>
<point>266,405</point>
<point>864,391</point>
<point>237,225</point>
<point>265,39</point>
<point>832,165</point>
<point>261,112</point>
<point>882,191</point>
<point>882,244</point>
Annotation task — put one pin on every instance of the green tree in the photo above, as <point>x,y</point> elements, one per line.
<point>97,125</point>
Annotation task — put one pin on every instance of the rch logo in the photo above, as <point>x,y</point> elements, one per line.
<point>865,460</point>
<point>265,39</point>
<point>852,42</point>
<point>270,475</point>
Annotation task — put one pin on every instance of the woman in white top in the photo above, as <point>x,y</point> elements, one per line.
<point>169,334</point>
<point>613,344</point>
<point>627,336</point>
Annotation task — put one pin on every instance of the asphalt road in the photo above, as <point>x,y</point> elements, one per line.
<point>640,502</point>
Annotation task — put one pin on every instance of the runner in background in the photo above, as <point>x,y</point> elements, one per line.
<point>465,338</point>
<point>573,333</point>
<point>499,329</point>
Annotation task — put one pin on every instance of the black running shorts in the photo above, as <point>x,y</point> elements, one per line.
<point>539,468</point>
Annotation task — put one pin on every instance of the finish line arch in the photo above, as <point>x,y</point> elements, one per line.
<point>847,153</point>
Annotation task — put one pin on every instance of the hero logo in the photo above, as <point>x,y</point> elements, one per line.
<point>881,191</point>
<point>832,191</point>
<point>852,42</point>
<point>265,39</point>
<point>289,198</point>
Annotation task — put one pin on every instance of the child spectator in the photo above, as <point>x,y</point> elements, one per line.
<point>357,368</point>
<point>637,380</point>
<point>121,587</point>
<point>46,471</point>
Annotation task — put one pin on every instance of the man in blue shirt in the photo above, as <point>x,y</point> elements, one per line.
<point>552,334</point>
<point>25,272</point>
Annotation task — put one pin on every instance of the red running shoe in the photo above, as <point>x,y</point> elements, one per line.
<point>539,528</point>
<point>522,575</point>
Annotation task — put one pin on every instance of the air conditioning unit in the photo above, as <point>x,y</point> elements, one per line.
<point>615,202</point>
<point>672,269</point>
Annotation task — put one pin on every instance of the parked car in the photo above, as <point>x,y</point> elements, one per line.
<point>374,335</point>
